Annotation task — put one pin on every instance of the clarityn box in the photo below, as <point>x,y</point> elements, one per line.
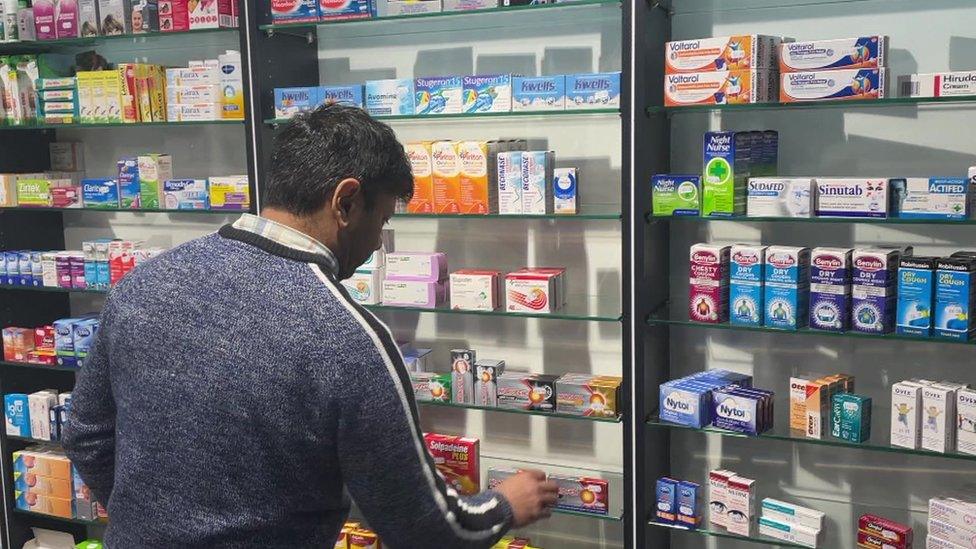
<point>565,191</point>
<point>838,85</point>
<point>939,417</point>
<point>675,195</point>
<point>720,88</point>
<point>779,197</point>
<point>852,197</point>
<point>486,93</point>
<point>537,195</point>
<point>128,180</point>
<point>906,414</point>
<point>786,285</point>
<point>955,298</point>
<point>438,95</point>
<point>538,93</point>
<point>414,293</point>
<point>725,159</point>
<point>592,91</point>
<point>746,264</point>
<point>708,298</point>
<point>446,174</point>
<point>510,199</point>
<point>966,424</point>
<point>938,84</point>
<point>100,193</point>
<point>916,292</point>
<point>794,514</point>
<point>390,97</point>
<point>365,287</point>
<point>475,290</point>
<point>421,164</point>
<point>830,289</point>
<point>788,532</point>
<point>486,381</point>
<point>932,197</point>
<point>862,52</point>
<point>721,53</point>
<point>666,510</point>
<point>462,376</point>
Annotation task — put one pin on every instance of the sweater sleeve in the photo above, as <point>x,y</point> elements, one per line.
<point>89,436</point>
<point>388,471</point>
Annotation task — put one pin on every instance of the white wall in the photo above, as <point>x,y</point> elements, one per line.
<point>934,140</point>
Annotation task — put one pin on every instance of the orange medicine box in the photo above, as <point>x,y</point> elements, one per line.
<point>419,153</point>
<point>446,171</point>
<point>364,539</point>
<point>477,193</point>
<point>457,458</point>
<point>720,88</point>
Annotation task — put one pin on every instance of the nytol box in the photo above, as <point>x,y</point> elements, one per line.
<point>486,93</point>
<point>538,93</point>
<point>592,91</point>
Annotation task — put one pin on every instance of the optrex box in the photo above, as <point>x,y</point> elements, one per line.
<point>666,509</point>
<point>390,97</point>
<point>475,290</point>
<point>486,93</point>
<point>719,53</point>
<point>839,85</point>
<point>438,95</point>
<point>457,459</point>
<point>938,84</point>
<point>852,197</point>
<point>779,197</point>
<point>708,298</point>
<point>592,91</point>
<point>746,265</point>
<point>719,88</point>
<point>538,93</point>
<point>862,52</point>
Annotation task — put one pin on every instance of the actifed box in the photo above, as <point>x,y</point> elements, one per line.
<point>862,52</point>
<point>938,84</point>
<point>390,97</point>
<point>746,264</point>
<point>592,91</point>
<point>538,93</point>
<point>720,53</point>
<point>931,197</point>
<point>779,197</point>
<point>838,85</point>
<point>852,197</point>
<point>675,195</point>
<point>438,95</point>
<point>720,88</point>
<point>486,93</point>
<point>916,294</point>
<point>789,532</point>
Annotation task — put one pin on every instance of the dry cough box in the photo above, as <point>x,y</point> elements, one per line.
<point>862,52</point>
<point>721,53</point>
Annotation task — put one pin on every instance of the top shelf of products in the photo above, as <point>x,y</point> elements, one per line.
<point>395,24</point>
<point>868,103</point>
<point>37,46</point>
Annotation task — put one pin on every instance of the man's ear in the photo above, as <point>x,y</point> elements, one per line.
<point>346,199</point>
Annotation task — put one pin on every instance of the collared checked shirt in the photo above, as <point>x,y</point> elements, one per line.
<point>286,236</point>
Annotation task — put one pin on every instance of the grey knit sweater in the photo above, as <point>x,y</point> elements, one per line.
<point>234,397</point>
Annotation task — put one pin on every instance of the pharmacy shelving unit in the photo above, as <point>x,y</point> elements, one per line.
<point>914,137</point>
<point>194,145</point>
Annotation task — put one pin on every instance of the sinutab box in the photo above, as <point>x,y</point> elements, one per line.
<point>838,85</point>
<point>720,53</point>
<point>938,84</point>
<point>720,88</point>
<point>862,52</point>
<point>852,197</point>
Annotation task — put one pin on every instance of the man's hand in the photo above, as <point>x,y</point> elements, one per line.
<point>530,496</point>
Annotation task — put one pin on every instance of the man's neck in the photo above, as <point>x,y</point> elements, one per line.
<point>305,224</point>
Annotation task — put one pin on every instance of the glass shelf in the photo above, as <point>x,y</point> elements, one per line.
<point>32,440</point>
<point>587,214</point>
<point>399,20</point>
<point>588,308</point>
<point>60,519</point>
<point>38,366</point>
<point>609,517</point>
<point>684,7</point>
<point>782,433</point>
<point>859,220</point>
<point>655,321</point>
<point>119,210</point>
<point>117,125</point>
<point>435,403</point>
<point>53,289</point>
<point>868,103</point>
<point>479,115</point>
<point>725,535</point>
<point>29,46</point>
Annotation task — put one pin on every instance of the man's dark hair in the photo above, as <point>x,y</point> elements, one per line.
<point>317,150</point>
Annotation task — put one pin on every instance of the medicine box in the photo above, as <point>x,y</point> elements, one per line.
<point>835,85</point>
<point>429,386</point>
<point>931,197</point>
<point>67,156</point>
<point>725,158</point>
<point>438,95</point>
<point>782,511</point>
<point>346,9</point>
<point>524,391</point>
<point>475,290</point>
<point>342,95</point>
<point>535,290</point>
<point>565,191</point>
<point>40,404</point>
<point>779,197</point>
<point>230,192</point>
<point>417,266</point>
<point>689,504</point>
<point>718,496</point>
<point>290,102</point>
<point>486,93</point>
<point>966,412</point>
<point>852,197</point>
<point>462,376</point>
<point>720,88</point>
<point>144,15</point>
<point>154,169</point>
<point>478,193</point>
<point>509,173</point>
<point>223,13</point>
<point>365,287</point>
<point>486,374</point>
<point>890,532</point>
<point>939,417</point>
<point>537,172</point>
<point>830,289</point>
<point>746,264</point>
<point>906,414</point>
<point>185,194</point>
<point>720,53</point>
<point>741,505</point>
<point>938,84</point>
<point>593,91</point>
<point>390,97</point>
<point>788,531</point>
<point>538,93</point>
<point>708,299</point>
<point>446,174</point>
<point>666,511</point>
<point>785,288</point>
<point>862,52</point>
<point>17,415</point>
<point>421,163</point>
<point>174,15</point>
<point>582,494</point>
<point>588,395</point>
<point>675,195</point>
<point>466,5</point>
<point>916,292</point>
<point>851,417</point>
<point>391,8</point>
<point>960,535</point>
<point>955,298</point>
<point>421,294</point>
<point>83,336</point>
<point>457,459</point>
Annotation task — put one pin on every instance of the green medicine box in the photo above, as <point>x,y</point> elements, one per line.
<point>850,417</point>
<point>674,195</point>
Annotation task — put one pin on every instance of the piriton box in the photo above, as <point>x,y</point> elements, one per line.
<point>421,164</point>
<point>446,173</point>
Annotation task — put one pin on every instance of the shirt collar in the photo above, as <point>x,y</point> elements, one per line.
<point>287,236</point>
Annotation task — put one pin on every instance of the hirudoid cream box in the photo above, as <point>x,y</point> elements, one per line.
<point>862,52</point>
<point>794,514</point>
<point>457,459</point>
<point>720,88</point>
<point>475,290</point>
<point>938,84</point>
<point>788,531</point>
<point>462,376</point>
<point>721,53</point>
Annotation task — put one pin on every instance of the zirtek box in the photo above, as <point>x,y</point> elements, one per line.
<point>523,391</point>
<point>722,53</point>
<point>839,85</point>
<point>916,294</point>
<point>862,52</point>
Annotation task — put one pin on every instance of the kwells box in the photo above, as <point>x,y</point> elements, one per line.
<point>582,494</point>
<point>457,459</point>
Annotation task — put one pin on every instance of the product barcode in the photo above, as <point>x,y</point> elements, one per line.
<point>909,88</point>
